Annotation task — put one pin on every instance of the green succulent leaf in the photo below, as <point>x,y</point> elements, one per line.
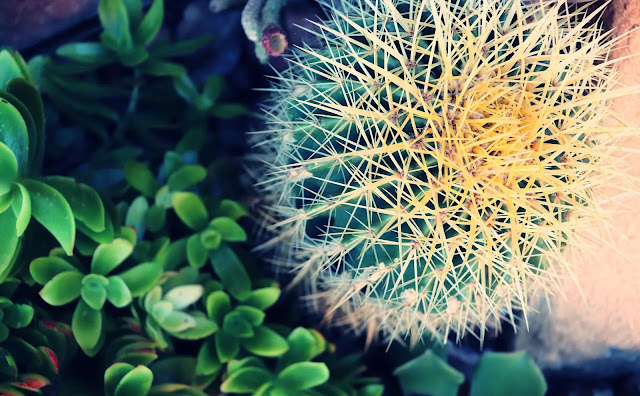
<point>141,278</point>
<point>301,347</point>
<point>213,88</point>
<point>266,342</point>
<point>234,323</point>
<point>14,134</point>
<point>135,383</point>
<point>232,209</point>
<point>151,23</point>
<point>9,67</point>
<point>62,288</point>
<point>229,229</point>
<point>231,272</point>
<point>91,53</point>
<point>86,325</point>
<point>184,87</point>
<point>177,321</point>
<point>252,315</point>
<point>190,209</point>
<point>140,177</point>
<point>183,296</point>
<point>302,376</point>
<point>51,210</point>
<point>155,218</point>
<point>196,253</point>
<point>8,239</point>
<point>503,374</point>
<point>94,291</point>
<point>134,10</point>
<point>159,68</point>
<point>18,316</point>
<point>115,21</point>
<point>84,201</point>
<point>137,214</point>
<point>228,110</point>
<point>21,204</point>
<point>202,329</point>
<point>180,48</point>
<point>43,269</point>
<point>218,304</point>
<point>210,239</point>
<point>428,373</point>
<point>108,256</point>
<point>8,165</point>
<point>263,298</point>
<point>208,362</point>
<point>118,293</point>
<point>227,346</point>
<point>186,177</point>
<point>113,375</point>
<point>246,380</point>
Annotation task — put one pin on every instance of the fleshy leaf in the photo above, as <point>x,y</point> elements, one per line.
<point>246,380</point>
<point>113,375</point>
<point>227,346</point>
<point>135,383</point>
<point>141,278</point>
<point>139,176</point>
<point>150,24</point>
<point>428,373</point>
<point>196,253</point>
<point>229,229</point>
<point>263,298</point>
<point>8,239</point>
<point>186,177</point>
<point>108,256</point>
<point>93,291</point>
<point>50,208</point>
<point>231,272</point>
<point>302,376</point>
<point>8,164</point>
<point>22,208</point>
<point>208,362</point>
<point>62,288</point>
<point>190,209</point>
<point>118,293</point>
<point>86,325</point>
<point>266,342</point>
<point>43,269</point>
<point>84,201</point>
<point>183,296</point>
<point>218,305</point>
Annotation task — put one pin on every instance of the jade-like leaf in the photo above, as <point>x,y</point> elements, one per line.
<point>9,68</point>
<point>184,87</point>
<point>428,373</point>
<point>246,380</point>
<point>84,201</point>
<point>234,323</point>
<point>232,209</point>
<point>136,215</point>
<point>186,177</point>
<point>190,209</point>
<point>160,68</point>
<point>213,88</point>
<point>86,325</point>
<point>229,229</point>
<point>263,298</point>
<point>115,21</point>
<point>113,375</point>
<point>141,278</point>
<point>155,218</point>
<point>301,347</point>
<point>196,253</point>
<point>62,288</point>
<point>202,329</point>
<point>139,176</point>
<point>266,342</point>
<point>8,165</point>
<point>252,315</point>
<point>14,135</point>
<point>302,376</point>
<point>94,291</point>
<point>50,208</point>
<point>227,346</point>
<point>218,304</point>
<point>135,383</point>
<point>505,374</point>
<point>231,272</point>
<point>118,293</point>
<point>177,321</point>
<point>18,316</point>
<point>22,207</point>
<point>29,97</point>
<point>151,23</point>
<point>210,239</point>
<point>43,269</point>
<point>208,362</point>
<point>183,296</point>
<point>108,256</point>
<point>95,53</point>
<point>134,9</point>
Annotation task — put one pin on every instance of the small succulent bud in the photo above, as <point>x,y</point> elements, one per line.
<point>274,40</point>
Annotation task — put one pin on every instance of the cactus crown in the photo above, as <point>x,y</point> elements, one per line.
<point>428,166</point>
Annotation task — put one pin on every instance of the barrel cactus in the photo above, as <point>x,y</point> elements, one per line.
<point>429,164</point>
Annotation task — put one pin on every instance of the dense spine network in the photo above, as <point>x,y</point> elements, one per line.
<point>429,164</point>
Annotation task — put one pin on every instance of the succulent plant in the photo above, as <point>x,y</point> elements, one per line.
<point>429,165</point>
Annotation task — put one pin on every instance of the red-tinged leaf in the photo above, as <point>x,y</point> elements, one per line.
<point>53,358</point>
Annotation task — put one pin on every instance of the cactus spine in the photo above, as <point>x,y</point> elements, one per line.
<point>428,166</point>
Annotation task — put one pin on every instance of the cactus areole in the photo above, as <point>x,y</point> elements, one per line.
<point>428,166</point>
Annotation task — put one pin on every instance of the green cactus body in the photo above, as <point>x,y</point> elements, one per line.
<point>429,165</point>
